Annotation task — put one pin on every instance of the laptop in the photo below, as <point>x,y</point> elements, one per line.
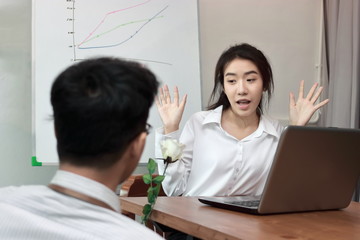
<point>314,168</point>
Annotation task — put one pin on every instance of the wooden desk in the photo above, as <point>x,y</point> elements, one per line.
<point>189,215</point>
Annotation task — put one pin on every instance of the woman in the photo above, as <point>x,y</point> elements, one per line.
<point>229,148</point>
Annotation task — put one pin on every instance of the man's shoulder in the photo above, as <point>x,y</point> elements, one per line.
<point>65,216</point>
<point>26,191</point>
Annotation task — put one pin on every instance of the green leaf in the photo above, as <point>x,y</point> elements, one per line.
<point>153,191</point>
<point>157,189</point>
<point>151,197</point>
<point>151,166</point>
<point>146,209</point>
<point>147,178</point>
<point>144,218</point>
<point>150,189</point>
<point>158,179</point>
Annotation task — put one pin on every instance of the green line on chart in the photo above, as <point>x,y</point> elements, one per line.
<point>118,26</point>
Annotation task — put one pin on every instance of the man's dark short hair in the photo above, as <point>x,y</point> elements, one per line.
<point>100,105</point>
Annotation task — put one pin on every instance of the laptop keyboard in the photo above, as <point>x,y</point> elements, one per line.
<point>254,203</point>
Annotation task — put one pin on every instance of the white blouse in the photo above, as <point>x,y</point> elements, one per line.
<point>214,163</point>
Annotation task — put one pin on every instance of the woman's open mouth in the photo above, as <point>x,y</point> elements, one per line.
<point>243,104</point>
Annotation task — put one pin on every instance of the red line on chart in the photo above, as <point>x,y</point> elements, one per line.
<point>130,37</point>
<point>106,15</point>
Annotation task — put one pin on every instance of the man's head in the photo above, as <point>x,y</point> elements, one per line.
<point>100,106</point>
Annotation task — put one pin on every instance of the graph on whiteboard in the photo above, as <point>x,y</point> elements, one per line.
<point>131,23</point>
<point>161,34</point>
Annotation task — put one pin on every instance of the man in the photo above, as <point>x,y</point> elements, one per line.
<point>100,111</point>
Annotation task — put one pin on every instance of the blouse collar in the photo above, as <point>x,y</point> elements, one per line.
<point>265,125</point>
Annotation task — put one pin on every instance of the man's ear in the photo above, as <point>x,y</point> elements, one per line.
<point>131,157</point>
<point>137,146</point>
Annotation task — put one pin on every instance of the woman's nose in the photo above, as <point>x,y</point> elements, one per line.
<point>241,88</point>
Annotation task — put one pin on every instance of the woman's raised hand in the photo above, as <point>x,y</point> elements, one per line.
<point>170,111</point>
<point>302,110</point>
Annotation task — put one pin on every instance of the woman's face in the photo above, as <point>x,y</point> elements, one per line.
<point>243,86</point>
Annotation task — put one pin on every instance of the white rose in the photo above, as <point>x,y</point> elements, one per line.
<point>171,148</point>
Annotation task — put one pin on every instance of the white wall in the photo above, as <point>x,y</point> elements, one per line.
<point>15,97</point>
<point>287,31</point>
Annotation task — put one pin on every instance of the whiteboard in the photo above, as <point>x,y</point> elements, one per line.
<point>162,34</point>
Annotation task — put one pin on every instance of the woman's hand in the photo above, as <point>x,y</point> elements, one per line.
<point>170,111</point>
<point>302,110</point>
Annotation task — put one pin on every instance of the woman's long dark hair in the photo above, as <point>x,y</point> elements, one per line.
<point>242,51</point>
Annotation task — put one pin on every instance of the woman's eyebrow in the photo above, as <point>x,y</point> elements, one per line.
<point>230,74</point>
<point>250,72</point>
<point>245,74</point>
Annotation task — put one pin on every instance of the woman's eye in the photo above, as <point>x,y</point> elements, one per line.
<point>251,80</point>
<point>231,81</point>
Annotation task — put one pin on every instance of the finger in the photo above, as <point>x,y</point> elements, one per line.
<point>311,92</point>
<point>161,96</point>
<point>183,101</point>
<point>167,94</point>
<point>176,96</point>
<point>292,99</point>
<point>157,102</point>
<point>323,103</point>
<point>317,95</point>
<point>301,89</point>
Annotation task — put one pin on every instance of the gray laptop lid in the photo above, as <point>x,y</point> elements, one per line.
<point>314,169</point>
